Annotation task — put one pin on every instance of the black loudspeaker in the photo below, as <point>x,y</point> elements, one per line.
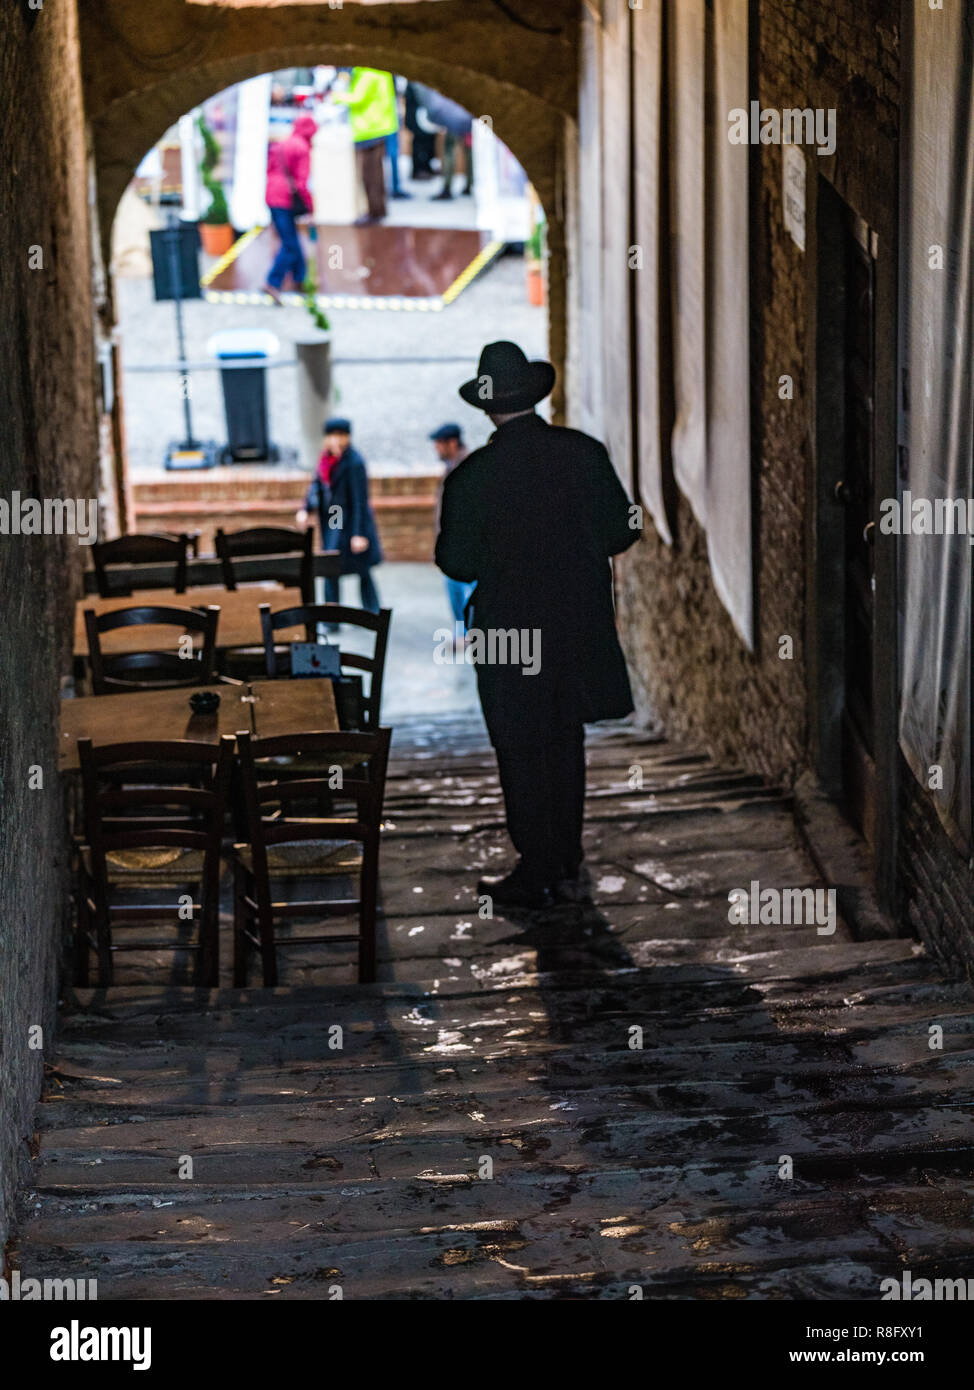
<point>188,257</point>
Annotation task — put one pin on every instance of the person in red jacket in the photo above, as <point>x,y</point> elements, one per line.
<point>288,166</point>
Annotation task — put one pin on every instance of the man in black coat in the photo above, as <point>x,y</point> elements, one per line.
<point>532,518</point>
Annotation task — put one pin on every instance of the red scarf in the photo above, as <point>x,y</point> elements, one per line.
<point>327,465</point>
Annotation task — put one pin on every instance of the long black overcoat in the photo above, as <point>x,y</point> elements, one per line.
<point>533,517</point>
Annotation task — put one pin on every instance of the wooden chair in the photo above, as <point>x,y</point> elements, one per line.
<point>310,616</point>
<point>152,670</point>
<point>286,844</point>
<point>248,663</point>
<point>141,838</point>
<point>284,541</point>
<point>141,549</point>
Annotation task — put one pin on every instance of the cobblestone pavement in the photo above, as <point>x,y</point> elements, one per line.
<point>490,1127</point>
<point>393,404</point>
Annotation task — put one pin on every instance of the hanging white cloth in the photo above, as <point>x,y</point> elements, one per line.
<point>727,328</point>
<point>650,168</point>
<point>938,421</point>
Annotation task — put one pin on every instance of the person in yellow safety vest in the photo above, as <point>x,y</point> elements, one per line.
<point>371,102</point>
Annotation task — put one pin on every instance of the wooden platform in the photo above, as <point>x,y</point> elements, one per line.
<point>375,267</point>
<point>510,1040</point>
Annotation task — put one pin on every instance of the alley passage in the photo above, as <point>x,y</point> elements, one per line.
<point>486,1128</point>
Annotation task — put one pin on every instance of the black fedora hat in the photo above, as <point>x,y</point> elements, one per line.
<point>506,381</point>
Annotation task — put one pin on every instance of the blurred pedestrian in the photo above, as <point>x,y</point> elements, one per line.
<point>396,189</point>
<point>339,493</point>
<point>371,102</point>
<point>456,123</point>
<point>423,133</point>
<point>289,197</point>
<point>451,450</point>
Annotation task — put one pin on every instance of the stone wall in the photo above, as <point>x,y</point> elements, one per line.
<point>48,449</point>
<point>691,673</point>
<point>690,668</point>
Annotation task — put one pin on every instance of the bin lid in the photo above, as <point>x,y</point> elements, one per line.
<point>243,342</point>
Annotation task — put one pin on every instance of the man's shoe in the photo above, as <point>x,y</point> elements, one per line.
<point>444,196</point>
<point>574,888</point>
<point>515,890</point>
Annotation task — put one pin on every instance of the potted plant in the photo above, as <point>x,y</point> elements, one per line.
<point>216,233</point>
<point>534,264</point>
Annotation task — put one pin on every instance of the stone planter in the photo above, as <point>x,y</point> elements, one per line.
<point>313,352</point>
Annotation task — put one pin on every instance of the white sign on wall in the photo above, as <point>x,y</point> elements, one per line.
<point>793,192</point>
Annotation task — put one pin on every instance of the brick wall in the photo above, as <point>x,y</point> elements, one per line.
<point>48,448</point>
<point>261,496</point>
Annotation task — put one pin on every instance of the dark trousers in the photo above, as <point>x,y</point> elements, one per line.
<point>424,149</point>
<point>290,257</point>
<point>543,781</point>
<point>370,595</point>
<point>392,150</point>
<point>373,175</point>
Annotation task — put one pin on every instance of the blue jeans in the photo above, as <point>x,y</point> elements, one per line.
<point>392,150</point>
<point>370,596</point>
<point>290,257</point>
<point>458,592</point>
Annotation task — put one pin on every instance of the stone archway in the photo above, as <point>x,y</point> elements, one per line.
<point>143,68</point>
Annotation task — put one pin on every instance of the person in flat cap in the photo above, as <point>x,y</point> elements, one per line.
<point>451,450</point>
<point>339,493</point>
<point>532,519</point>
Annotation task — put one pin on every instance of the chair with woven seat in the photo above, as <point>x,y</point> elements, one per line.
<point>311,617</point>
<point>277,543</point>
<point>141,549</point>
<point>285,844</point>
<point>143,838</point>
<point>152,670</point>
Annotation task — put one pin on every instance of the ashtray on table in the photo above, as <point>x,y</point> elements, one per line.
<point>204,701</point>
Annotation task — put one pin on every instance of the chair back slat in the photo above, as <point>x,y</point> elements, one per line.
<point>283,541</point>
<point>159,669</point>
<point>262,787</point>
<point>140,549</point>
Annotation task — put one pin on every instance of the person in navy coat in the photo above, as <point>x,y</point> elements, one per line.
<point>339,493</point>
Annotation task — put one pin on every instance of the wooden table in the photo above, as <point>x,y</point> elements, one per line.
<point>239,624</point>
<point>265,709</point>
<point>292,706</point>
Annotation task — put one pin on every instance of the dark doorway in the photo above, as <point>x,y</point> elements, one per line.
<point>844,494</point>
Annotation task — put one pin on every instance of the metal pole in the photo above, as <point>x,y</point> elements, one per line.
<point>175,276</point>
